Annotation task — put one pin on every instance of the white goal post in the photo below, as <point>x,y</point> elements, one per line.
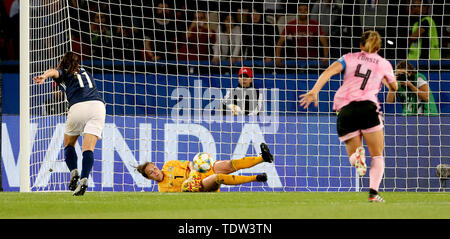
<point>24,155</point>
<point>164,67</point>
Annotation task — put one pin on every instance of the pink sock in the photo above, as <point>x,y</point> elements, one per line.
<point>376,172</point>
<point>353,159</point>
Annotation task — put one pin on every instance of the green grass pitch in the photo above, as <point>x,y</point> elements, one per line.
<point>224,205</point>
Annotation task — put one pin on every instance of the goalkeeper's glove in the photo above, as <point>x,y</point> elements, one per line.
<point>193,183</point>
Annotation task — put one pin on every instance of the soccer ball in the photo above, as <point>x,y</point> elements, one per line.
<point>237,110</point>
<point>203,162</point>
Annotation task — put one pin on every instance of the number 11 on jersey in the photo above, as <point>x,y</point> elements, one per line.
<point>88,79</point>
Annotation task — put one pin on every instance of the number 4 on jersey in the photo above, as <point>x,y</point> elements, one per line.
<point>364,76</point>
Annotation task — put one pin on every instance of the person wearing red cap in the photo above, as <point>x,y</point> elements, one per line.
<point>245,99</point>
<point>306,34</point>
<point>228,42</point>
<point>245,77</point>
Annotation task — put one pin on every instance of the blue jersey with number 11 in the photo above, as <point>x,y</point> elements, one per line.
<point>79,87</point>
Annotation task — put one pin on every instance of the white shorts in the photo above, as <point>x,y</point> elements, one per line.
<point>86,117</point>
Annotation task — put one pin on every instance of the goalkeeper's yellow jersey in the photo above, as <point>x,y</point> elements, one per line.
<point>175,173</point>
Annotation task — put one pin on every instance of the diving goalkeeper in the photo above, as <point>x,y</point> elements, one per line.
<point>180,176</point>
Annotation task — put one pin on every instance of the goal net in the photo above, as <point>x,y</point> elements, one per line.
<point>165,69</point>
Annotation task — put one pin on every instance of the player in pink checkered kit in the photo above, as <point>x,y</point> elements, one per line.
<point>356,103</point>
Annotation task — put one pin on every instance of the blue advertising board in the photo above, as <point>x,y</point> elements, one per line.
<point>162,117</point>
<point>308,155</point>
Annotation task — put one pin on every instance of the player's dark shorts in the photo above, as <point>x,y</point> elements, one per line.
<point>357,118</point>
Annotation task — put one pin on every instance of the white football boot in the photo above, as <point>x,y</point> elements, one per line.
<point>360,164</point>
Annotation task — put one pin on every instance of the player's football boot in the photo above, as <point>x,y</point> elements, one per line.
<point>74,176</point>
<point>261,177</point>
<point>360,164</point>
<point>376,198</point>
<point>265,152</point>
<point>81,189</point>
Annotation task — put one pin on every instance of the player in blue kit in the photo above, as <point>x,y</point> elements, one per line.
<point>86,116</point>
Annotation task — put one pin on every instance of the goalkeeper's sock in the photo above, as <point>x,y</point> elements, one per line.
<point>70,157</point>
<point>376,172</point>
<point>88,162</point>
<point>246,162</point>
<point>234,179</point>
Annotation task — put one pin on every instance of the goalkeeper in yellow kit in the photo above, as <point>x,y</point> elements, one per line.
<point>180,176</point>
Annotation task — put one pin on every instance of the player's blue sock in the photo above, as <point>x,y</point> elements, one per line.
<point>88,161</point>
<point>71,157</point>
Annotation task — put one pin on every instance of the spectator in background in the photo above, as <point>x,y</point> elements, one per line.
<point>80,47</point>
<point>228,41</point>
<point>272,6</point>
<point>423,38</point>
<point>10,29</point>
<point>351,27</point>
<point>128,44</point>
<point>245,99</point>
<point>3,20</point>
<point>259,39</point>
<point>242,14</point>
<point>322,12</point>
<point>162,32</point>
<point>446,33</point>
<point>100,36</point>
<point>148,52</point>
<point>327,13</point>
<point>181,17</point>
<point>196,43</point>
<point>413,91</point>
<point>306,34</point>
<point>79,29</point>
<point>397,17</point>
<point>446,42</point>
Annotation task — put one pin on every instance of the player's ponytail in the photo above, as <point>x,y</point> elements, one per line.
<point>370,41</point>
<point>69,62</point>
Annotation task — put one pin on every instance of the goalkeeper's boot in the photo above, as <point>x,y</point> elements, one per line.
<point>375,198</point>
<point>265,152</point>
<point>360,164</point>
<point>81,189</point>
<point>74,176</point>
<point>261,177</point>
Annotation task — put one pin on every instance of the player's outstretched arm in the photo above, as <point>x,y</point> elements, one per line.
<point>390,98</point>
<point>49,73</point>
<point>312,95</point>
